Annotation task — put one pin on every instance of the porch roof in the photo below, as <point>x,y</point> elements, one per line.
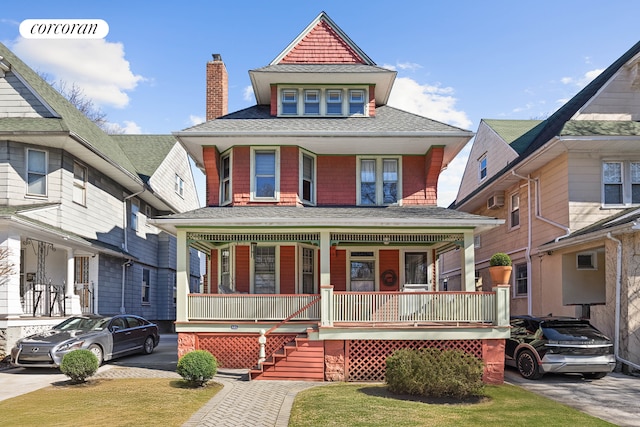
<point>433,217</point>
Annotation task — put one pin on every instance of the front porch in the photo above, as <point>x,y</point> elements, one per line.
<point>343,336</point>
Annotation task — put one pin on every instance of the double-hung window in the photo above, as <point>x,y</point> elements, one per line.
<point>356,102</point>
<point>334,102</point>
<point>225,269</point>
<point>363,271</point>
<point>307,178</point>
<point>521,279</point>
<point>135,209</point>
<point>482,167</point>
<point>379,181</point>
<point>514,215</point>
<point>312,102</point>
<point>225,179</point>
<point>79,184</point>
<point>621,182</point>
<point>36,172</point>
<point>265,178</point>
<point>264,262</point>
<point>308,271</point>
<point>179,185</point>
<point>290,102</point>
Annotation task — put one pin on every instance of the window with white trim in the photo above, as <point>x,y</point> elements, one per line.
<point>308,281</point>
<point>146,286</point>
<point>514,210</point>
<point>482,167</point>
<point>378,181</point>
<point>225,269</point>
<point>319,101</point>
<point>179,185</point>
<point>521,279</point>
<point>135,209</point>
<point>36,172</point>
<point>225,179</point>
<point>264,183</point>
<point>620,183</point>
<point>79,184</point>
<point>307,178</point>
<point>415,268</point>
<point>362,271</point>
<point>264,269</point>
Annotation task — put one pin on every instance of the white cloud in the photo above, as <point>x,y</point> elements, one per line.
<point>411,66</point>
<point>247,93</point>
<point>196,120</point>
<point>97,66</point>
<point>128,128</point>
<point>583,80</point>
<point>449,180</point>
<point>434,102</point>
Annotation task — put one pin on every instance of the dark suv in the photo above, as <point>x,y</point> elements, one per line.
<point>558,344</point>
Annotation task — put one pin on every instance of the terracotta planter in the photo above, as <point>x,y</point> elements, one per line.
<point>500,274</point>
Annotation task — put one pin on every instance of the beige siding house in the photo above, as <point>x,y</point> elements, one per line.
<point>561,185</point>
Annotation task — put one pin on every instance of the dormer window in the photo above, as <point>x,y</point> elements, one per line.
<point>317,101</point>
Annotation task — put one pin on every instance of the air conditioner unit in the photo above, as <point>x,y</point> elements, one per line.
<point>495,201</point>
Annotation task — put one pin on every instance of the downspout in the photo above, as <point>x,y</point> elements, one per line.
<point>616,341</point>
<point>125,246</point>
<point>536,207</point>
<point>529,240</point>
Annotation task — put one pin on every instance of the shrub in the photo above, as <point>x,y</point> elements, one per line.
<point>434,373</point>
<point>501,259</point>
<point>79,365</point>
<point>197,367</point>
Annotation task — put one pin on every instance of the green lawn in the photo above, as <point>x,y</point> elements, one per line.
<point>370,405</point>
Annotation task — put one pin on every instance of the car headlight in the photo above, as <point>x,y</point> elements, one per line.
<point>73,345</point>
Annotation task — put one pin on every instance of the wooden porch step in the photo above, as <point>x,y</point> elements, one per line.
<point>299,360</point>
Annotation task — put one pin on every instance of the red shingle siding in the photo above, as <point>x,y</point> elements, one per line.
<point>242,269</point>
<point>322,45</point>
<point>287,269</point>
<point>372,101</point>
<point>274,100</point>
<point>413,181</point>
<point>336,177</point>
<point>241,178</point>
<point>211,159</point>
<point>339,270</point>
<point>217,89</point>
<point>390,260</point>
<point>289,181</point>
<point>433,166</point>
<point>214,272</point>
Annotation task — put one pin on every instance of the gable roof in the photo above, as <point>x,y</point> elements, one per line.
<point>67,119</point>
<point>146,152</point>
<point>322,42</point>
<point>517,133</point>
<point>537,136</point>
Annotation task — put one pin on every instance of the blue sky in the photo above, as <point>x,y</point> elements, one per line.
<point>457,61</point>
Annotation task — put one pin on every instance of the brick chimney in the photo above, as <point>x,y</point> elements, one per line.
<point>217,88</point>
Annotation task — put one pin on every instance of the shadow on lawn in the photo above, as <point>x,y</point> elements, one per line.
<point>381,391</point>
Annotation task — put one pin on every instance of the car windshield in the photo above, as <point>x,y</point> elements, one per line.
<point>83,324</point>
<point>571,332</point>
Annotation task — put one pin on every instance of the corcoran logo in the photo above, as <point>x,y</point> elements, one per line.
<point>64,29</point>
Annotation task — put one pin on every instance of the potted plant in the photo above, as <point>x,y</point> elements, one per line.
<point>500,268</point>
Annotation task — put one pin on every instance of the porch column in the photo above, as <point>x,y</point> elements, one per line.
<point>325,258</point>
<point>467,273</point>
<point>72,300</point>
<point>182,277</point>
<point>503,309</point>
<point>10,306</point>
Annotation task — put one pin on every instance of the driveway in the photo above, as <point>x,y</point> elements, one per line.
<point>613,398</point>
<point>17,381</point>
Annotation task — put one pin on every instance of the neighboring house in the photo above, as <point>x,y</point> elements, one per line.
<point>563,186</point>
<point>75,205</point>
<point>321,224</point>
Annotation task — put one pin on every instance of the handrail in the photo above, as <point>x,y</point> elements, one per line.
<point>282,322</point>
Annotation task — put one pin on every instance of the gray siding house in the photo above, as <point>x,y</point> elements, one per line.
<point>74,210</point>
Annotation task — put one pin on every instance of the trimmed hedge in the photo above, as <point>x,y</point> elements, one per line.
<point>79,365</point>
<point>197,367</point>
<point>432,372</point>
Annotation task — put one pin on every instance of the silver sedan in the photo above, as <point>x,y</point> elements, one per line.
<point>106,337</point>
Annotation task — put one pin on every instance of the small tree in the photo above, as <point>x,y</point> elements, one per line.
<point>6,266</point>
<point>197,367</point>
<point>79,365</point>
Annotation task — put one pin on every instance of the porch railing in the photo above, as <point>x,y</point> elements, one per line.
<point>245,307</point>
<point>356,307</point>
<point>43,299</point>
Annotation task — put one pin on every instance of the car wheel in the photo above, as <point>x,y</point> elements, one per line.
<point>594,375</point>
<point>528,365</point>
<point>97,351</point>
<point>148,346</point>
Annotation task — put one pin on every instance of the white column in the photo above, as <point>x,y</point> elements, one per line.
<point>10,306</point>
<point>72,301</point>
<point>468,272</point>
<point>325,258</point>
<point>503,309</point>
<point>182,277</point>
